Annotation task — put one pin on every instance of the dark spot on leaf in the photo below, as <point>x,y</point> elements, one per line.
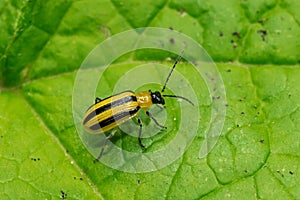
<point>237,125</point>
<point>242,113</point>
<point>35,159</point>
<point>234,44</point>
<point>261,140</point>
<point>279,172</point>
<point>263,34</point>
<point>242,99</point>
<point>228,70</point>
<point>216,97</point>
<point>63,195</point>
<point>171,28</point>
<point>221,34</point>
<point>139,181</point>
<point>172,40</point>
<point>255,107</point>
<point>182,11</point>
<point>289,95</point>
<point>291,172</point>
<point>75,178</point>
<point>226,105</point>
<point>237,34</point>
<point>246,171</point>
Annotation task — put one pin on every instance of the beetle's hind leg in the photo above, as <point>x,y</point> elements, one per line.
<point>104,145</point>
<point>140,134</point>
<point>155,121</point>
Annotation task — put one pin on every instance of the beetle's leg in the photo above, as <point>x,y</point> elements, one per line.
<point>105,143</point>
<point>97,100</point>
<point>140,133</point>
<point>155,121</point>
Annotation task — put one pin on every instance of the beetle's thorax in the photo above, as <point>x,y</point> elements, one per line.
<point>144,99</point>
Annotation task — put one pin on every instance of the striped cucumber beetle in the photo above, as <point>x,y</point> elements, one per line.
<point>106,114</point>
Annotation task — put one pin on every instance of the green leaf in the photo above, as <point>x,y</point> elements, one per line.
<point>256,47</point>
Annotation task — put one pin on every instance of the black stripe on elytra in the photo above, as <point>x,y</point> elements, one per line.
<point>114,118</point>
<point>108,106</point>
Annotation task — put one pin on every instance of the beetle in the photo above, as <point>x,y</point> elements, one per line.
<point>106,114</point>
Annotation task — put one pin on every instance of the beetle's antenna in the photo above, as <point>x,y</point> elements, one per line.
<point>178,97</point>
<point>176,61</point>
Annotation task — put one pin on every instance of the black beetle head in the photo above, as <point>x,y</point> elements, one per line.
<point>157,98</point>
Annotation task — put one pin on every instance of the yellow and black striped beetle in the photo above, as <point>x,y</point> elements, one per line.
<point>112,111</point>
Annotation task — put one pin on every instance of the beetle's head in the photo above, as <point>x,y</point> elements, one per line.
<point>157,98</point>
